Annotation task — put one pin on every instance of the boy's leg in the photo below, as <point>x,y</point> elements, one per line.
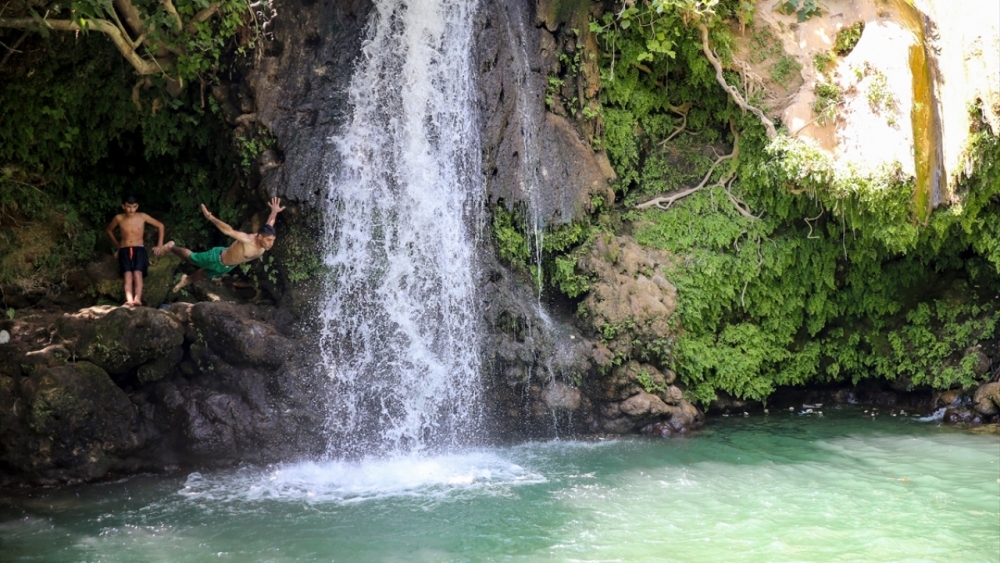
<point>187,280</point>
<point>184,253</point>
<point>137,282</point>
<point>128,289</point>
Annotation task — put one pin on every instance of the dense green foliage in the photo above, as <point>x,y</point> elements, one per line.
<point>828,279</point>
<point>74,141</point>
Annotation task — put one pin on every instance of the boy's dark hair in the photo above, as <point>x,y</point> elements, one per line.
<point>267,231</point>
<point>130,199</point>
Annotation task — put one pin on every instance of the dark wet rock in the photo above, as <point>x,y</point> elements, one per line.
<point>209,384</point>
<point>514,58</point>
<point>211,291</point>
<point>952,398</point>
<point>67,423</point>
<point>298,90</point>
<point>558,395</point>
<point>238,339</point>
<point>727,404</point>
<point>683,418</point>
<point>963,415</point>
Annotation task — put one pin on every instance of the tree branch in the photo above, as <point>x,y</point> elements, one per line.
<point>681,110</point>
<point>142,66</point>
<point>168,5</point>
<point>768,124</point>
<point>202,15</point>
<point>13,48</point>
<point>132,16</point>
<point>664,202</point>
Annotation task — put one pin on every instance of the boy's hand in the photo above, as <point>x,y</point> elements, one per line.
<point>157,250</point>
<point>204,211</point>
<point>275,205</point>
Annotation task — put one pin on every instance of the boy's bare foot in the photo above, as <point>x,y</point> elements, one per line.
<point>129,304</point>
<point>184,280</point>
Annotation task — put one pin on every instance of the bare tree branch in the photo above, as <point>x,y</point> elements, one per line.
<point>768,124</point>
<point>681,110</point>
<point>665,201</point>
<point>142,66</point>
<point>132,16</point>
<point>13,48</point>
<point>202,15</point>
<point>168,5</point>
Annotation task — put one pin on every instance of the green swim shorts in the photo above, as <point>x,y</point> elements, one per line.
<point>211,262</point>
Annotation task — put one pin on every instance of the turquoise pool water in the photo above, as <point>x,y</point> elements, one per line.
<point>841,487</point>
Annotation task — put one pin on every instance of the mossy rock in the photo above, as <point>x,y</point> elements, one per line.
<point>160,279</point>
<point>107,281</point>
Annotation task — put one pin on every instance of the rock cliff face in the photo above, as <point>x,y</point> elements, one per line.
<point>109,391</point>
<point>297,90</point>
<point>548,375</point>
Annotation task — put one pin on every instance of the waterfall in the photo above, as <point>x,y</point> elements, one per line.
<point>400,337</point>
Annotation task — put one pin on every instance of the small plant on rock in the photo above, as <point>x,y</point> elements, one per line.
<point>848,38</point>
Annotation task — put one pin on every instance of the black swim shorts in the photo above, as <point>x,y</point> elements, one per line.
<point>133,259</point>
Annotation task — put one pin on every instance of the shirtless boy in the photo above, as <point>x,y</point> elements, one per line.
<point>220,260</point>
<point>131,253</point>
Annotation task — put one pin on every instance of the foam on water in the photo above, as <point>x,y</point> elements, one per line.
<point>430,477</point>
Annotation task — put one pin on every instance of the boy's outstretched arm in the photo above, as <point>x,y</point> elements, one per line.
<point>223,227</point>
<point>276,208</point>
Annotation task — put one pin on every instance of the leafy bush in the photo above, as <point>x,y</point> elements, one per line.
<point>832,281</point>
<point>848,37</point>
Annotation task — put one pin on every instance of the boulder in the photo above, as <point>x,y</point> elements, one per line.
<point>230,332</point>
<point>560,396</point>
<point>67,422</point>
<point>962,415</point>
<point>629,289</point>
<point>49,356</point>
<point>120,339</point>
<point>986,400</point>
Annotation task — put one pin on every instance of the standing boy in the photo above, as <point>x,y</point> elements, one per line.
<point>131,253</point>
<point>220,260</point>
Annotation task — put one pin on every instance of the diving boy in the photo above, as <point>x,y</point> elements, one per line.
<point>220,260</point>
<point>132,257</point>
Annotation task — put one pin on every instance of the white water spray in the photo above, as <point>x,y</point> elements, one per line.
<point>401,335</point>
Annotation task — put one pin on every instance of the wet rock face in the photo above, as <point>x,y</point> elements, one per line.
<point>117,390</point>
<point>298,91</point>
<point>525,147</point>
<point>550,378</point>
<point>68,423</point>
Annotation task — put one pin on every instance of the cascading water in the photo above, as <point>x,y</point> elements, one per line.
<point>401,335</point>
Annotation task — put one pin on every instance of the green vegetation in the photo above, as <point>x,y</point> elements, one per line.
<point>804,9</point>
<point>823,61</point>
<point>645,380</point>
<point>792,271</point>
<point>828,97</point>
<point>784,68</point>
<point>180,40</point>
<point>847,38</point>
<point>78,132</point>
